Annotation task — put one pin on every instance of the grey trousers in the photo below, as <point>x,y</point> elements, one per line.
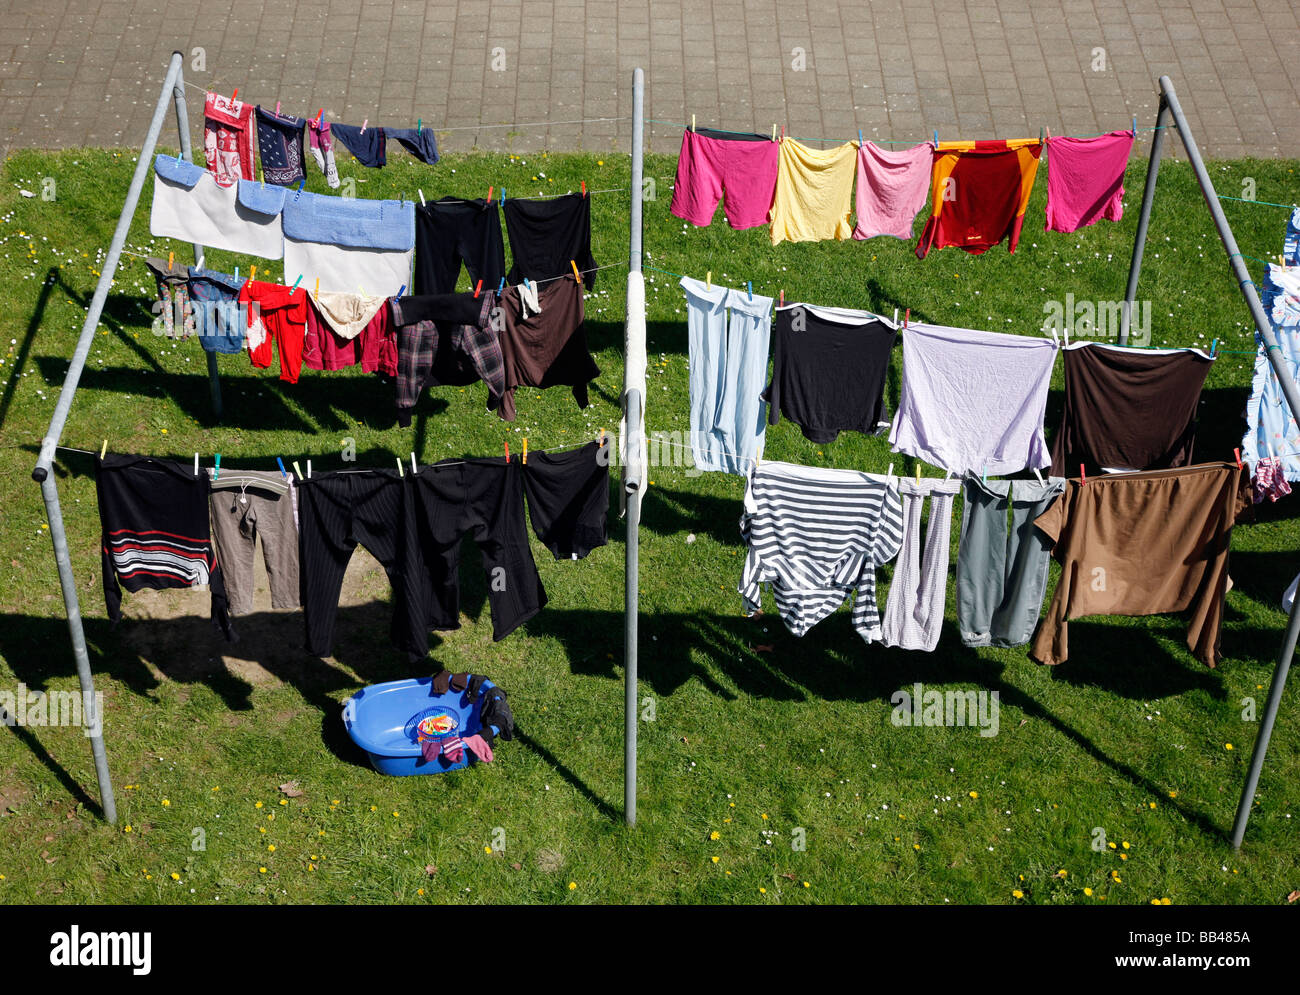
<point>1001,571</point>
<point>914,612</point>
<point>240,515</point>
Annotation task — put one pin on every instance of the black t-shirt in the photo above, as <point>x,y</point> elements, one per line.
<point>828,370</point>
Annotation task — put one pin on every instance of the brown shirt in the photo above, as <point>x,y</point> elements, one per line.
<point>547,349</point>
<point>1142,544</point>
<point>1128,408</point>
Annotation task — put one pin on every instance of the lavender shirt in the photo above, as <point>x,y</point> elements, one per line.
<point>973,401</point>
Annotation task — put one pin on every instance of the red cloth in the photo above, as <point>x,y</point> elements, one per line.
<point>228,138</point>
<point>280,315</point>
<point>374,347</point>
<point>978,194</point>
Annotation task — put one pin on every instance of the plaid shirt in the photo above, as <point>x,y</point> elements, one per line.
<point>419,338</point>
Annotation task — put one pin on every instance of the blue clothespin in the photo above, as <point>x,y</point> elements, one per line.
<point>749,285</point>
<point>280,463</point>
<point>1213,346</point>
<point>984,475</point>
<point>502,285</point>
<point>217,472</point>
<point>1135,126</point>
<point>936,138</point>
<point>295,285</point>
<point>503,196</point>
<point>419,124</point>
<point>401,290</point>
<point>236,272</point>
<point>860,141</point>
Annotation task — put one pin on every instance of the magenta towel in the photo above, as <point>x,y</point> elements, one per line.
<point>892,188</point>
<point>1085,180</point>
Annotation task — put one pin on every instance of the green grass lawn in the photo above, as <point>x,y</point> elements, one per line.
<point>758,739</point>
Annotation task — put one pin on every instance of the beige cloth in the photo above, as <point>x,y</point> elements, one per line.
<point>347,313</point>
<point>1143,544</point>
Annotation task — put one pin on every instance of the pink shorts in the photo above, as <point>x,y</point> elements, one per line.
<point>714,164</point>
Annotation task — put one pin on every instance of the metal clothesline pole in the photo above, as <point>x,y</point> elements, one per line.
<point>1169,106</point>
<point>44,464</point>
<point>1144,219</point>
<point>632,403</point>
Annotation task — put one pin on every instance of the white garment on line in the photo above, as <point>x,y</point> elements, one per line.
<point>918,592</point>
<point>189,205</point>
<point>634,371</point>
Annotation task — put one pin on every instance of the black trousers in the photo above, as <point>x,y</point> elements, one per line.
<point>336,513</point>
<point>546,234</point>
<point>451,230</point>
<point>482,498</point>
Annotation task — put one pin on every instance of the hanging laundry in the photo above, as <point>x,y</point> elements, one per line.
<point>973,401</point>
<point>345,329</point>
<point>451,230</point>
<point>321,144</point>
<point>1001,571</point>
<point>419,142</point>
<point>370,147</point>
<point>1269,481</point>
<point>154,519</point>
<point>173,303</point>
<point>228,139</point>
<point>446,339</point>
<point>1271,424</point>
<point>568,498</point>
<point>546,236</point>
<point>221,324</point>
<point>739,170</point>
<point>815,535</point>
<point>248,506</point>
<point>1085,180</point>
<point>484,499</point>
<point>814,193</point>
<point>918,591</point>
<point>349,243</point>
<point>978,194</point>
<point>275,314</point>
<point>893,187</point>
<point>727,335</point>
<point>339,511</point>
<point>279,141</point>
<point>547,348</point>
<point>189,205</point>
<point>1128,409</point>
<point>828,370</point>
<point>1143,544</point>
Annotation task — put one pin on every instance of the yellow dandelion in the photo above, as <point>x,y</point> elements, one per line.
<point>175,876</point>
<point>166,803</point>
<point>715,835</point>
<point>1227,746</point>
<point>715,859</point>
<point>762,891</point>
<point>1155,901</point>
<point>1123,856</point>
<point>1173,794</point>
<point>257,805</point>
<point>261,829</point>
<point>916,846</point>
<point>1111,845</point>
<point>394,813</point>
<point>764,815</point>
<point>1017,894</point>
<point>573,885</point>
<point>1088,892</point>
<point>1062,873</point>
<point>487,849</point>
<point>374,808</point>
<point>284,801</point>
<point>261,870</point>
<point>126,828</point>
<point>334,802</point>
<point>216,787</point>
<point>974,794</point>
<point>419,891</point>
<point>1165,901</point>
<point>1151,804</point>
<point>1124,844</point>
<point>807,885</point>
<point>271,848</point>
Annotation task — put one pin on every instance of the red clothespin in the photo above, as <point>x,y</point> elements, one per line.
<point>477,287</point>
<point>1237,453</point>
<point>507,451</point>
<point>1083,476</point>
<point>277,108</point>
<point>234,97</point>
<point>584,188</point>
<point>907,316</point>
<point>489,196</point>
<point>320,116</point>
<point>781,303</point>
<point>576,275</point>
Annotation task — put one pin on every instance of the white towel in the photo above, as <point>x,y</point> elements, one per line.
<point>190,206</point>
<point>634,372</point>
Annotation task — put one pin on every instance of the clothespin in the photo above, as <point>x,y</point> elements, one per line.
<point>419,125</point>
<point>477,288</point>
<point>295,285</point>
<point>783,133</point>
<point>171,259</point>
<point>252,272</point>
<point>234,96</point>
<point>708,280</point>
<point>918,471</point>
<point>936,138</point>
<point>501,286</point>
<point>890,472</point>
<point>507,444</point>
<point>489,196</point>
<point>773,131</point>
<point>907,316</point>
<point>309,469</point>
<point>366,122</point>
<point>421,193</point>
<point>584,188</point>
<point>196,464</point>
<point>749,286</point>
<point>1214,344</point>
<point>1049,134</point>
<point>602,436</point>
<point>1038,475</point>
<point>525,450</point>
<point>261,175</point>
<point>320,116</point>
<point>236,272</point>
<point>217,472</point>
<point>1083,476</point>
<point>277,108</point>
<point>692,122</point>
<point>576,275</point>
<point>361,289</point>
<point>297,469</point>
<point>280,463</point>
<point>401,290</point>
<point>318,287</point>
<point>1040,135</point>
<point>895,317</point>
<point>503,196</point>
<point>1237,453</point>
<point>1135,126</point>
<point>984,474</point>
<point>414,468</point>
<point>301,183</point>
<point>860,141</point>
<point>782,300</point>
<point>400,471</point>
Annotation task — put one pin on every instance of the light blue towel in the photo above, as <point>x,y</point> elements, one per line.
<point>178,171</point>
<point>352,222</point>
<point>261,198</point>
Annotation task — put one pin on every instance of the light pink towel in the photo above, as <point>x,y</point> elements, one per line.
<point>892,188</point>
<point>1085,180</point>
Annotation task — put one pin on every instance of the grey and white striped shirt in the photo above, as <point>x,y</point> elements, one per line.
<point>814,535</point>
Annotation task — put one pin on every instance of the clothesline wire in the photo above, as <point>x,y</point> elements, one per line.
<point>878,141</point>
<point>1261,203</point>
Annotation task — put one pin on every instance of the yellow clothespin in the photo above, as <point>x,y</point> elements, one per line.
<point>773,131</point>
<point>318,287</point>
<point>708,280</point>
<point>918,473</point>
<point>171,259</point>
<point>104,448</point>
<point>297,469</point>
<point>602,437</point>
<point>576,275</point>
<point>692,122</point>
<point>525,450</point>
<point>252,272</point>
